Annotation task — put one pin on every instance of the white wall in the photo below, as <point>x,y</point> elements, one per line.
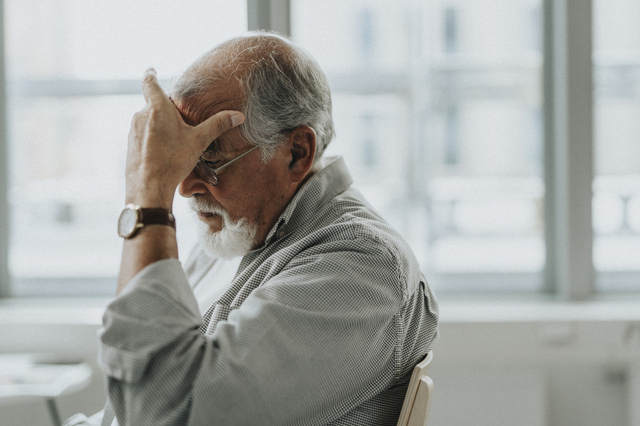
<point>540,363</point>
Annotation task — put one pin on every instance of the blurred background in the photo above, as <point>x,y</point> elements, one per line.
<point>501,137</point>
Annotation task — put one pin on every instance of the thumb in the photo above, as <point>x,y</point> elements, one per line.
<point>219,123</point>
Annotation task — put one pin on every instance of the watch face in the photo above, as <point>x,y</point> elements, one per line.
<point>127,222</point>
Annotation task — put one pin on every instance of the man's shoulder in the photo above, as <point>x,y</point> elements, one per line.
<point>349,215</point>
<point>347,223</point>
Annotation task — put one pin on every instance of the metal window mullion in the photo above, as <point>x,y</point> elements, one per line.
<point>270,15</point>
<point>4,173</point>
<point>568,92</point>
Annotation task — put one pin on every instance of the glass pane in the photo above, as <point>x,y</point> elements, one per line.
<point>115,39</point>
<point>437,108</point>
<point>74,70</point>
<point>616,198</point>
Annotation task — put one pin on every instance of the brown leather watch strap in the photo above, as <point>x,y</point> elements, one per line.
<point>156,216</point>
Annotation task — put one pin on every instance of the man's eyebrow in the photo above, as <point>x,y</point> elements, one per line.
<point>214,146</point>
<point>219,145</point>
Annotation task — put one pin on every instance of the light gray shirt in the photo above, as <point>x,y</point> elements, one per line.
<point>321,325</point>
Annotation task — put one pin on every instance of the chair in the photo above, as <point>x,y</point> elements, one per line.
<point>417,401</point>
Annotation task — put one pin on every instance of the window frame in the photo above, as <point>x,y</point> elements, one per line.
<point>568,147</point>
<point>568,144</point>
<point>4,173</point>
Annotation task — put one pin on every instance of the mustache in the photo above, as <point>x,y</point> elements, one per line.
<point>199,204</point>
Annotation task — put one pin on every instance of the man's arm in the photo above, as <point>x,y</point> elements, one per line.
<point>162,151</point>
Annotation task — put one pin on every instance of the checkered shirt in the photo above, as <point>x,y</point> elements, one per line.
<point>321,325</point>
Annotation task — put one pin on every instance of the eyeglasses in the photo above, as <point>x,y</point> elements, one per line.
<point>205,170</point>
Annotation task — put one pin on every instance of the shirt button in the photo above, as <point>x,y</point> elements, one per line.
<point>280,234</point>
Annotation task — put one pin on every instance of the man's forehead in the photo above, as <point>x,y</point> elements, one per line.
<point>217,97</point>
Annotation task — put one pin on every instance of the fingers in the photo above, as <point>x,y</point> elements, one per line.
<point>151,89</point>
<point>217,124</point>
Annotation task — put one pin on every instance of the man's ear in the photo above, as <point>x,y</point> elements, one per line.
<point>303,150</point>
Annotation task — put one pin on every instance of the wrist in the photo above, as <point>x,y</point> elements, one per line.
<point>149,199</point>
<point>150,202</point>
<point>135,218</point>
<point>147,189</point>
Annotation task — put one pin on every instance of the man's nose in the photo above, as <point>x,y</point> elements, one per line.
<point>192,185</point>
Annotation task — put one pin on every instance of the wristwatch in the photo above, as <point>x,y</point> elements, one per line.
<point>134,217</point>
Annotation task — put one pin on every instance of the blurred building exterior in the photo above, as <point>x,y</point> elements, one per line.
<point>440,107</point>
<point>438,111</point>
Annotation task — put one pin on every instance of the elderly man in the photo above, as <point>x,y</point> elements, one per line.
<point>300,305</point>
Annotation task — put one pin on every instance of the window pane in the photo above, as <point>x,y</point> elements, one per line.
<point>438,112</point>
<point>74,71</point>
<point>616,199</point>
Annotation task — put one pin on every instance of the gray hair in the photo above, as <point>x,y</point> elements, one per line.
<point>283,88</point>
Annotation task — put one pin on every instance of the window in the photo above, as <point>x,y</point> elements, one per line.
<point>451,94</point>
<point>616,187</point>
<point>466,124</point>
<point>73,80</point>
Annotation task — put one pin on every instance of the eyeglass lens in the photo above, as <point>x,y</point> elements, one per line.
<point>206,173</point>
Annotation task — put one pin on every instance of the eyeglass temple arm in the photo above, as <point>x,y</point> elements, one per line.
<point>237,158</point>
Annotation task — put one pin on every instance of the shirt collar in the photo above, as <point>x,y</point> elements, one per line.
<point>330,179</point>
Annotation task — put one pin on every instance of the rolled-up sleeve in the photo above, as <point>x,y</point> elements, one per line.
<point>155,309</point>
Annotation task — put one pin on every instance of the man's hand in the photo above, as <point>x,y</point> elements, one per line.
<point>163,149</point>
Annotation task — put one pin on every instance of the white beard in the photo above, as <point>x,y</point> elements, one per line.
<point>234,239</point>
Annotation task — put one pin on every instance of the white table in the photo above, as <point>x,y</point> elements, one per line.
<point>28,376</point>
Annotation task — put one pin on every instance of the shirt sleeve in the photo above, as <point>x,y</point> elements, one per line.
<point>82,420</point>
<point>306,347</point>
